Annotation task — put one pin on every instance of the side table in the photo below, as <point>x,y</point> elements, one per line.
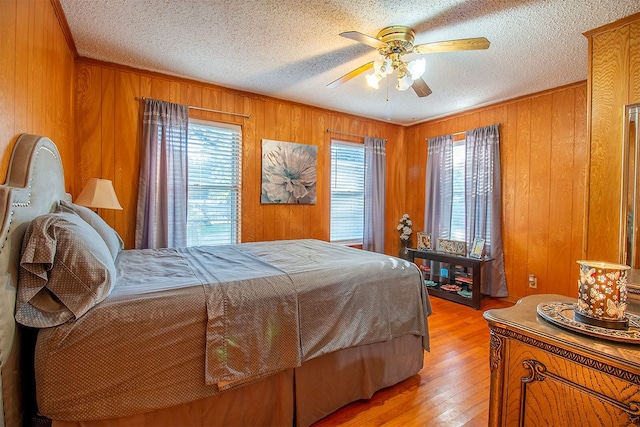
<point>470,281</point>
<point>543,374</point>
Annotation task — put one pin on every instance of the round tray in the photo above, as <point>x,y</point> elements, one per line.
<point>561,314</point>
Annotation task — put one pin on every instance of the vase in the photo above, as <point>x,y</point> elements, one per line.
<point>403,250</point>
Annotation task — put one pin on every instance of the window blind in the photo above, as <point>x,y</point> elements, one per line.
<point>214,189</point>
<point>347,192</point>
<point>458,209</point>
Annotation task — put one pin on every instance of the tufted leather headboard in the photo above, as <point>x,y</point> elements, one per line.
<point>34,185</point>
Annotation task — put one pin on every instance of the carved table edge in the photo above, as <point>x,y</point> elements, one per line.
<point>497,334</point>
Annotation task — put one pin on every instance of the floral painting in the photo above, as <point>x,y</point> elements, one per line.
<point>288,172</point>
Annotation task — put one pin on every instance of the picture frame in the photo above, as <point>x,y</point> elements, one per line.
<point>455,247</point>
<point>424,241</point>
<point>477,249</point>
<point>289,173</point>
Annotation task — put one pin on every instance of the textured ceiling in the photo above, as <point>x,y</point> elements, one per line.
<point>292,49</point>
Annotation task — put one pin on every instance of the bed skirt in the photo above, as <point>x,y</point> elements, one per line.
<point>299,396</point>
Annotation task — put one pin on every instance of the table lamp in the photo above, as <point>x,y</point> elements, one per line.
<point>602,294</point>
<point>98,193</point>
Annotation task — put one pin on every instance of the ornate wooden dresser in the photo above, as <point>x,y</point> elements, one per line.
<point>546,374</point>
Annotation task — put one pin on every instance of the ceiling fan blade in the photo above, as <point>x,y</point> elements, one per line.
<point>364,39</point>
<point>420,87</point>
<point>351,74</point>
<point>451,45</point>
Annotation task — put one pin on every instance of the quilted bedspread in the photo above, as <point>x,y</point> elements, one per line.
<point>185,323</point>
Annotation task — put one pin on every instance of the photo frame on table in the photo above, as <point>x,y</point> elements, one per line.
<point>424,241</point>
<point>455,247</point>
<point>477,249</point>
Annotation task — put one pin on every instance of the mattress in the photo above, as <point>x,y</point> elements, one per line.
<point>155,341</point>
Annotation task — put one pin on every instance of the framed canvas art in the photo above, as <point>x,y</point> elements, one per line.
<point>288,172</point>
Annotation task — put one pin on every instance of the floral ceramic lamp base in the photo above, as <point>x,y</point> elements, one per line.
<point>602,295</point>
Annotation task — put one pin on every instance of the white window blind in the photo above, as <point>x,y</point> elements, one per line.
<point>458,211</point>
<point>214,174</point>
<point>347,192</point>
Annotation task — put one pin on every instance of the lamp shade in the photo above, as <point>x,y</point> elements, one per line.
<point>602,294</point>
<point>416,68</point>
<point>98,193</point>
<point>404,82</point>
<point>373,79</point>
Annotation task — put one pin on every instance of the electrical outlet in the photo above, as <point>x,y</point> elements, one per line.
<point>533,281</point>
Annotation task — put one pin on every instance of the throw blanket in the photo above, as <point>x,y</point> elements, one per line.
<point>252,312</point>
<point>253,294</point>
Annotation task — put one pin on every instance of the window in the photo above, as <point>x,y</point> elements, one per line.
<point>458,209</point>
<point>347,192</point>
<point>214,154</point>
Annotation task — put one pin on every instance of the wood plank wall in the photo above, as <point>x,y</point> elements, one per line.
<point>614,81</point>
<point>543,165</point>
<point>37,83</point>
<point>98,135</point>
<point>108,134</point>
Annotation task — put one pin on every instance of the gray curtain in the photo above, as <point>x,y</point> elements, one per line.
<point>439,187</point>
<point>162,195</point>
<point>374,194</point>
<point>483,216</point>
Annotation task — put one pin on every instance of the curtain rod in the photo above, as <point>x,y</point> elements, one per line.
<point>246,116</point>
<point>350,134</point>
<point>453,134</point>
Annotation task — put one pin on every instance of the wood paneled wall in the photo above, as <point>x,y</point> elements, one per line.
<point>36,79</point>
<point>108,135</point>
<point>92,111</point>
<point>614,81</point>
<point>543,166</point>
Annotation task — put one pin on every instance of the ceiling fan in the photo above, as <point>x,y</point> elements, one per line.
<point>394,42</point>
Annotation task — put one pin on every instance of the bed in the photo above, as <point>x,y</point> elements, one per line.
<point>262,333</point>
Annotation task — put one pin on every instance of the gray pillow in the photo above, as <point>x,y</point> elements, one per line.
<point>108,234</point>
<point>65,269</point>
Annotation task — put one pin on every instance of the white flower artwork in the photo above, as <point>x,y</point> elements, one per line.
<point>288,172</point>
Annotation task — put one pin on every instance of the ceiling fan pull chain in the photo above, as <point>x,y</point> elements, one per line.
<point>388,90</point>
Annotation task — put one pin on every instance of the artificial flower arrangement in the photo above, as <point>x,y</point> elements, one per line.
<point>404,227</point>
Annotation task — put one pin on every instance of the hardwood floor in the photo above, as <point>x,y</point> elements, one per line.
<point>452,389</point>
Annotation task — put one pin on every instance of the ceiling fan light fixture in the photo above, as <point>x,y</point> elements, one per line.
<point>373,79</point>
<point>404,82</point>
<point>416,68</point>
<point>392,43</point>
